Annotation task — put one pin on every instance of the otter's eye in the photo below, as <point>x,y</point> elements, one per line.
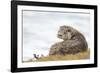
<point>64,32</point>
<point>68,30</point>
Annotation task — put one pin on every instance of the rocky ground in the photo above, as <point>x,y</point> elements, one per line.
<point>78,56</point>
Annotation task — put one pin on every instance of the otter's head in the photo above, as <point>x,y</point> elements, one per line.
<point>66,32</point>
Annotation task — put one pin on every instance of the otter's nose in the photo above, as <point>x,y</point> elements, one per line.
<point>59,34</point>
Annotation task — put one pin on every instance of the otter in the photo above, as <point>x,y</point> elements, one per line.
<point>73,42</point>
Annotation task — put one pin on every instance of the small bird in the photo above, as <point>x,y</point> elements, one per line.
<point>35,56</point>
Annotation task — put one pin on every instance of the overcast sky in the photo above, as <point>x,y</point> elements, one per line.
<point>40,29</point>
